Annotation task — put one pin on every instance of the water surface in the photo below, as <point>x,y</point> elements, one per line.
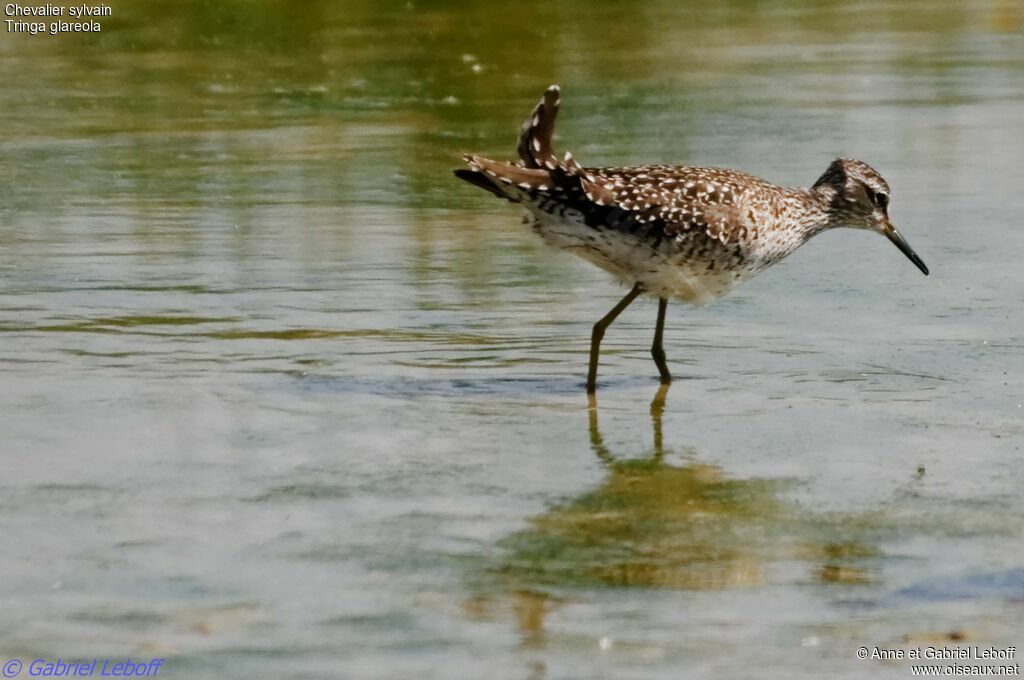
<point>281,398</point>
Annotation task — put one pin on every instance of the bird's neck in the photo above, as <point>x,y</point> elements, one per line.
<point>811,212</point>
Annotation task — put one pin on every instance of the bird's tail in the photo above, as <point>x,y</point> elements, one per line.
<point>538,167</point>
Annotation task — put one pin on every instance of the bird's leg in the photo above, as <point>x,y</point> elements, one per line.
<point>657,351</point>
<point>599,329</point>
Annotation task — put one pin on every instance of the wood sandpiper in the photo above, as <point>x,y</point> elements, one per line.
<point>672,231</point>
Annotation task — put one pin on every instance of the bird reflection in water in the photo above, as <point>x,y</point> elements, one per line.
<point>654,523</point>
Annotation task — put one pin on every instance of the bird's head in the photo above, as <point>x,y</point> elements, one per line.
<point>856,196</point>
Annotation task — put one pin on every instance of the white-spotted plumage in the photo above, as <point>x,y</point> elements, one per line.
<point>691,233</point>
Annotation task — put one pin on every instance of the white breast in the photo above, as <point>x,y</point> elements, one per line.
<point>630,259</point>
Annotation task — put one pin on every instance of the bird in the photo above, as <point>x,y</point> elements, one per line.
<point>674,232</point>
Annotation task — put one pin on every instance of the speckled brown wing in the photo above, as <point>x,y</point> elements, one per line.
<point>681,200</point>
<point>657,202</point>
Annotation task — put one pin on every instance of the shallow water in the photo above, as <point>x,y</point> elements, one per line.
<point>281,398</point>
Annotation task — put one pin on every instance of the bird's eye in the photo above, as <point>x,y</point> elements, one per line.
<point>881,199</point>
